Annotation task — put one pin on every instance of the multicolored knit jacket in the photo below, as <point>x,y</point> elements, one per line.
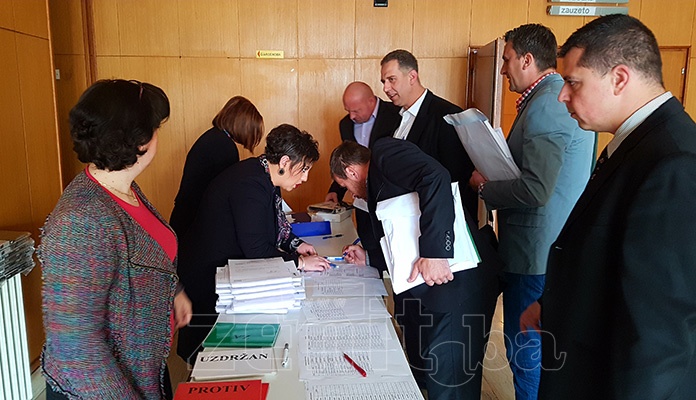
<point>108,294</point>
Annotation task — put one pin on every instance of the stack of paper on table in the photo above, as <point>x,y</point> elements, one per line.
<point>233,363</point>
<point>268,285</point>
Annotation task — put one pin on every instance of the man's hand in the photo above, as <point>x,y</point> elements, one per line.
<point>355,254</point>
<point>476,179</point>
<point>331,196</point>
<point>435,271</point>
<point>531,318</point>
<point>182,309</point>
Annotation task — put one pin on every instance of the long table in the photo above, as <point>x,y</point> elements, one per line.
<point>285,384</point>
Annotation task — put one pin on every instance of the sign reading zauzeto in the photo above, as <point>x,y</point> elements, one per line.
<point>585,11</point>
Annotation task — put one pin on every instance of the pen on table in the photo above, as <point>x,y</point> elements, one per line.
<point>338,235</point>
<point>286,353</point>
<point>332,265</point>
<point>356,241</point>
<point>356,366</point>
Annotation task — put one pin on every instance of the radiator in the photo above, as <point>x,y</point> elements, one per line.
<point>15,373</point>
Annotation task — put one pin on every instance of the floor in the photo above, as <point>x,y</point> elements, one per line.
<point>497,378</point>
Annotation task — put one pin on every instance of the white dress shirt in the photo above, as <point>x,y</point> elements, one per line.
<point>408,116</point>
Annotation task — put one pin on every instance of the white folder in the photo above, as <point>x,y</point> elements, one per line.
<point>400,217</point>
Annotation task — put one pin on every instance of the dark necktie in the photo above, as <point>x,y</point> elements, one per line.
<point>603,157</point>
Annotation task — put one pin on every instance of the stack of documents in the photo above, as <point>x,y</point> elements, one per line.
<point>486,146</point>
<point>268,285</point>
<point>16,250</point>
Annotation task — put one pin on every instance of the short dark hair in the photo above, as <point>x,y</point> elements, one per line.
<point>346,154</point>
<point>405,59</point>
<point>242,121</point>
<point>537,40</point>
<point>614,40</point>
<point>113,118</point>
<point>287,140</point>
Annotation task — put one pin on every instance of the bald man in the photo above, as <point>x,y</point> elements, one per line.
<point>369,118</point>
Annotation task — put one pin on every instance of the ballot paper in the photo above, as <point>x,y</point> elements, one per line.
<point>344,287</point>
<point>400,217</point>
<point>348,336</point>
<point>330,309</point>
<point>376,363</point>
<point>401,388</point>
<point>486,146</point>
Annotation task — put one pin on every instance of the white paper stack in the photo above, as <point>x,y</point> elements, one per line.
<point>268,285</point>
<point>16,250</point>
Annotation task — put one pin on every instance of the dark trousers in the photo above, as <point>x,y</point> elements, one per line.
<point>446,349</point>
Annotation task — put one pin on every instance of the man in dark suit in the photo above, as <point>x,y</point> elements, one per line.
<point>422,123</point>
<point>369,118</point>
<point>449,322</point>
<point>619,306</point>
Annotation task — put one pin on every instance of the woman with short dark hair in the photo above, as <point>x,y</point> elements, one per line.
<point>240,217</point>
<point>239,122</point>
<point>111,297</point>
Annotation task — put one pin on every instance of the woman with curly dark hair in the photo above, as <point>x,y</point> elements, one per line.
<point>240,217</point>
<point>111,296</point>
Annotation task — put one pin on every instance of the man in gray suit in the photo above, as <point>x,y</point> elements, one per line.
<point>555,157</point>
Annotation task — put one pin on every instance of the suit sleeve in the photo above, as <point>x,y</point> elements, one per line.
<point>658,281</point>
<point>80,249</point>
<point>405,165</point>
<point>254,232</point>
<point>548,131</point>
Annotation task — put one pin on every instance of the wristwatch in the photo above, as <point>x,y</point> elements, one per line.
<point>480,189</point>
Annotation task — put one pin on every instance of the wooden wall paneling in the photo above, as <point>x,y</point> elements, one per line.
<point>72,82</point>
<point>272,85</point>
<point>42,158</point>
<point>672,25</point>
<point>326,29</point>
<point>109,67</point>
<point>209,28</point>
<point>38,109</point>
<point>67,29</point>
<point>490,19</point>
<point>368,70</point>
<point>161,179</point>
<point>633,9</point>
<point>379,30</point>
<point>446,77</point>
<point>267,25</point>
<point>674,61</point>
<point>6,15</point>
<point>15,210</point>
<point>106,30</point>
<point>561,26</point>
<point>321,86</point>
<point>31,17</point>
<point>148,28</point>
<point>207,84</point>
<point>441,28</point>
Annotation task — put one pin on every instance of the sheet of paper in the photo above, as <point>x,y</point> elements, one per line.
<point>320,365</point>
<point>344,309</point>
<point>403,388</point>
<point>357,336</point>
<point>344,270</point>
<point>344,287</point>
<point>486,146</point>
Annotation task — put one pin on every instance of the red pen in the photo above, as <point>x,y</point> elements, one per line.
<point>356,366</point>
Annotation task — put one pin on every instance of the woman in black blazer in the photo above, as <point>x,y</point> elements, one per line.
<point>239,122</point>
<point>240,217</point>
